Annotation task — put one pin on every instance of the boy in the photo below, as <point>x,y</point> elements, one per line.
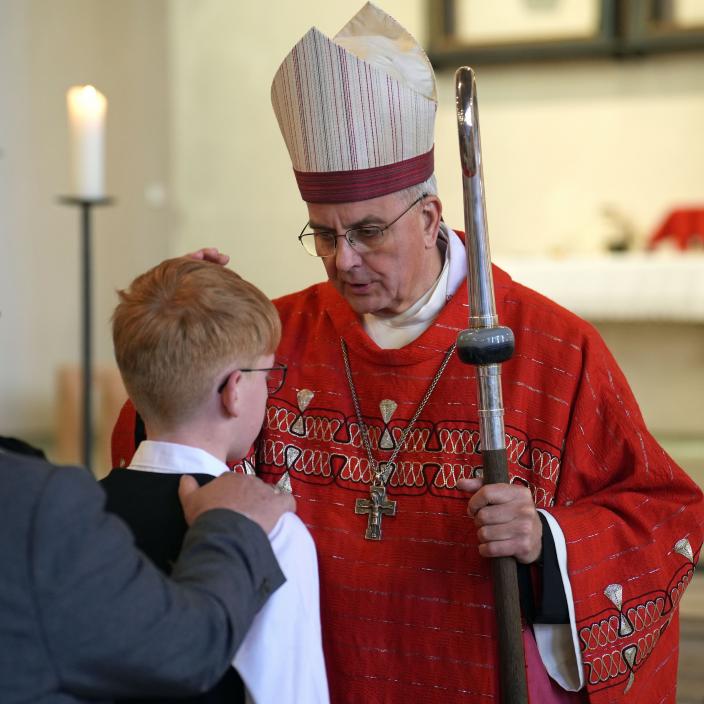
<point>194,343</point>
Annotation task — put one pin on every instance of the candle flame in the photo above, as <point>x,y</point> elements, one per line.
<point>86,99</point>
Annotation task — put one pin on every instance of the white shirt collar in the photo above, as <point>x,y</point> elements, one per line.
<point>397,331</point>
<point>172,458</point>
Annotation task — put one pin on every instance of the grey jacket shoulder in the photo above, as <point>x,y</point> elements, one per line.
<point>85,616</point>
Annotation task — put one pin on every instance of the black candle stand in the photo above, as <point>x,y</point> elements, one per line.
<point>86,206</point>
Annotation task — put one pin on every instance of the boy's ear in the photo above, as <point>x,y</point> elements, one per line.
<point>229,395</point>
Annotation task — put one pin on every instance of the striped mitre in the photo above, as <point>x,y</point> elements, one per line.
<point>357,128</point>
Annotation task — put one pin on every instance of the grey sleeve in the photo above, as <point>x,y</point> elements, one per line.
<point>113,624</point>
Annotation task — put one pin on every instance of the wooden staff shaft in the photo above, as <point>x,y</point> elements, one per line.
<point>485,344</point>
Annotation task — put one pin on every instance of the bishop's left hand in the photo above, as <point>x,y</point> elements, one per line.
<point>506,519</point>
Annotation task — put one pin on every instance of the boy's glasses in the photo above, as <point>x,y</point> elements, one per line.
<point>275,377</point>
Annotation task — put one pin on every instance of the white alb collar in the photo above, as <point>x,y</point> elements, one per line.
<point>172,458</point>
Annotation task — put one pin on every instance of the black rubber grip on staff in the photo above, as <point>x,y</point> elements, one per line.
<point>485,345</point>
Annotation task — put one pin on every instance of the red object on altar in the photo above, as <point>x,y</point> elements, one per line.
<point>683,226</point>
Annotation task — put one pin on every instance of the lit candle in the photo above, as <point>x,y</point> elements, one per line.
<point>86,115</point>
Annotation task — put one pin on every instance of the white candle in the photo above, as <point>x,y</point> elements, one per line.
<point>86,114</point>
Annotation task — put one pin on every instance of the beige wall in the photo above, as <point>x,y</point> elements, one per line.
<point>232,180</point>
<point>188,84</point>
<point>561,141</point>
<point>46,46</point>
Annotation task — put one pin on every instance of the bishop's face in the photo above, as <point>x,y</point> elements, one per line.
<point>389,279</point>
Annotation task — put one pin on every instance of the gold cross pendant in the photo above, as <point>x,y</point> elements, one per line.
<point>376,506</point>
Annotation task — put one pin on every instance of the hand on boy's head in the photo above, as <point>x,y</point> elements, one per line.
<point>210,254</point>
<point>247,495</point>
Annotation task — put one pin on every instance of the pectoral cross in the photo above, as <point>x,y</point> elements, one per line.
<point>377,506</point>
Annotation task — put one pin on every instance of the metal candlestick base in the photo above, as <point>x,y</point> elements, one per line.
<point>86,205</point>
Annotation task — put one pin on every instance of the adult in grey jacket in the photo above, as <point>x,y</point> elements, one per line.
<point>84,616</point>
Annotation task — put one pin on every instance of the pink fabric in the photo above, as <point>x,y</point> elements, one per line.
<point>541,688</point>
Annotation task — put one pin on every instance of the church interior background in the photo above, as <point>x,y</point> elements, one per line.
<point>581,157</point>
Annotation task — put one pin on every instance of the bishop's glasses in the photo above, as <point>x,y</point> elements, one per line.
<point>323,243</point>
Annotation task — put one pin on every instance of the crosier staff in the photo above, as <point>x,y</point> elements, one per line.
<point>486,344</point>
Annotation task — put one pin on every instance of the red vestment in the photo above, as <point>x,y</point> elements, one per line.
<point>411,618</point>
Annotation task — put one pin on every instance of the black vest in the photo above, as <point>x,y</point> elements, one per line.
<point>148,502</point>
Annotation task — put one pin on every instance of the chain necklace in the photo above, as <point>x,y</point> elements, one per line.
<point>377,505</point>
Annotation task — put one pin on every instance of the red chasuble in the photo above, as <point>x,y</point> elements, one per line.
<point>410,618</point>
